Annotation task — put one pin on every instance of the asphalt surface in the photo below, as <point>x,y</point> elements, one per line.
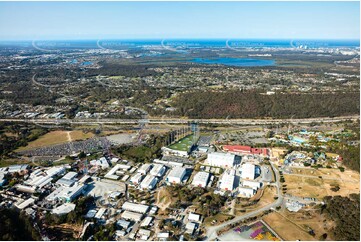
<point>180,121</point>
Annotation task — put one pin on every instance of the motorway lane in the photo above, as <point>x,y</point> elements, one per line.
<point>181,121</point>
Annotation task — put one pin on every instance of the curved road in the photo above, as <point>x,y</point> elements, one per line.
<point>212,231</point>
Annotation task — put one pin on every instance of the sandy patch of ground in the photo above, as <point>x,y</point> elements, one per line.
<point>163,199</point>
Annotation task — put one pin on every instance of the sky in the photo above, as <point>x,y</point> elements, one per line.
<point>147,20</point>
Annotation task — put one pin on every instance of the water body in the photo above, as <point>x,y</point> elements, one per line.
<point>87,63</point>
<point>184,43</point>
<point>235,61</point>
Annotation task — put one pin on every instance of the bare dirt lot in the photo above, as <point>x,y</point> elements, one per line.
<point>123,138</point>
<point>57,137</point>
<point>265,196</point>
<point>292,226</point>
<point>318,183</point>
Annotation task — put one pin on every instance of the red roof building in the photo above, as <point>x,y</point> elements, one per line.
<point>237,148</point>
<point>246,150</point>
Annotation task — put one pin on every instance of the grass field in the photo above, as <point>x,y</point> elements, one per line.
<point>57,137</point>
<point>9,162</point>
<point>184,144</point>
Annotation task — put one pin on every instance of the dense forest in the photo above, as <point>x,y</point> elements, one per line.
<point>345,211</point>
<point>114,69</point>
<point>351,156</point>
<point>349,152</point>
<point>16,226</point>
<point>252,104</point>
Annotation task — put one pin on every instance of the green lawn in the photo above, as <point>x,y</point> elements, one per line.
<point>183,144</point>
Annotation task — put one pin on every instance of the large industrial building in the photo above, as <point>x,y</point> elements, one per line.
<point>201,179</point>
<point>68,179</point>
<point>176,175</point>
<point>70,175</point>
<point>158,170</point>
<point>225,160</point>
<point>149,182</point>
<point>132,216</point>
<point>2,179</point>
<point>146,222</point>
<point>136,179</point>
<point>123,224</point>
<point>63,209</point>
<point>67,194</point>
<point>17,168</point>
<point>248,171</point>
<point>171,152</point>
<point>144,169</point>
<point>25,203</point>
<point>39,181</point>
<point>100,213</point>
<point>246,191</point>
<point>252,184</point>
<point>54,171</point>
<point>227,182</point>
<point>246,150</point>
<point>113,173</point>
<point>135,207</point>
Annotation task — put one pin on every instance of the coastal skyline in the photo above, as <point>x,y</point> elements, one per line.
<point>179,20</point>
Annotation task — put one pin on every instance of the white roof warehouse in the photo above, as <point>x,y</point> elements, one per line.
<point>201,179</point>
<point>222,159</point>
<point>135,207</point>
<point>176,175</point>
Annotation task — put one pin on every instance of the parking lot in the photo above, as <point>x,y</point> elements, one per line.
<point>103,187</point>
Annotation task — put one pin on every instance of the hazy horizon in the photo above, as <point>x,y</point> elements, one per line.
<point>179,20</point>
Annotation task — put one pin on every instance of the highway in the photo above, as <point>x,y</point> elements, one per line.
<point>212,230</point>
<point>181,121</point>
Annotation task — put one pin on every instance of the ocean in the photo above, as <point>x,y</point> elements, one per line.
<point>183,43</point>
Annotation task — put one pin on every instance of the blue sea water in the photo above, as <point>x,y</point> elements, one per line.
<point>186,43</point>
<point>235,61</point>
